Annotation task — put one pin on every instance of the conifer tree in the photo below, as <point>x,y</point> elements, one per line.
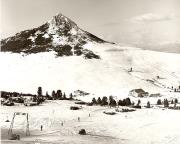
<point>53,95</point>
<point>47,94</point>
<point>99,100</point>
<point>148,104</point>
<point>58,94</point>
<point>104,101</point>
<point>128,101</point>
<point>64,96</point>
<point>159,102</point>
<point>94,101</point>
<point>166,103</point>
<point>172,102</point>
<point>71,96</point>
<point>176,100</point>
<point>112,102</point>
<point>39,92</point>
<point>120,102</point>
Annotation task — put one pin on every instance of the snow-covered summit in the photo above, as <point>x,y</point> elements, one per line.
<point>61,24</point>
<point>60,34</point>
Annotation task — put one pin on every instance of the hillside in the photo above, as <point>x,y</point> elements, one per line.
<point>108,75</point>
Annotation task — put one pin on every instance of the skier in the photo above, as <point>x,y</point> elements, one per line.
<point>131,69</point>
<point>41,127</point>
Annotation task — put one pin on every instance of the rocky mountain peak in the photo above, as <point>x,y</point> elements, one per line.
<point>60,34</point>
<point>61,24</point>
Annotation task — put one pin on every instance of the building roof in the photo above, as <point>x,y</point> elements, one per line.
<point>139,90</point>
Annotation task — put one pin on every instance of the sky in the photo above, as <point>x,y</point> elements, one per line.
<point>150,24</point>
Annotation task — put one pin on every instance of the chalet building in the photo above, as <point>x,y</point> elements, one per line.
<point>155,95</point>
<point>138,93</point>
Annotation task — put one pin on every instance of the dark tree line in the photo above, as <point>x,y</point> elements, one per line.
<point>125,102</point>
<point>7,95</point>
<point>165,102</point>
<point>58,95</point>
<point>39,97</point>
<point>111,101</point>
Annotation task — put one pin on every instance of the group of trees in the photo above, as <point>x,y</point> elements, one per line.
<point>58,95</point>
<point>165,102</point>
<point>111,101</point>
<point>125,102</point>
<point>175,101</point>
<point>9,98</point>
<point>7,95</point>
<point>39,97</point>
<point>99,101</point>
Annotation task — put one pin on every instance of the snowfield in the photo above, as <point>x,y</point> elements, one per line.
<point>155,72</point>
<point>108,75</point>
<point>144,126</point>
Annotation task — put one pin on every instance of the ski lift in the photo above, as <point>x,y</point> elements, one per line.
<point>10,132</point>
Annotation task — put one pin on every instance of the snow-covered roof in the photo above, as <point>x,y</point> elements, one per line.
<point>138,90</point>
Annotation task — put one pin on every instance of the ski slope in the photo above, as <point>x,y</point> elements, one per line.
<point>108,75</point>
<point>143,126</point>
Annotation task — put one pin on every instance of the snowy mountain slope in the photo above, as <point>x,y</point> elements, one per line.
<point>108,75</point>
<point>37,61</point>
<point>60,34</point>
